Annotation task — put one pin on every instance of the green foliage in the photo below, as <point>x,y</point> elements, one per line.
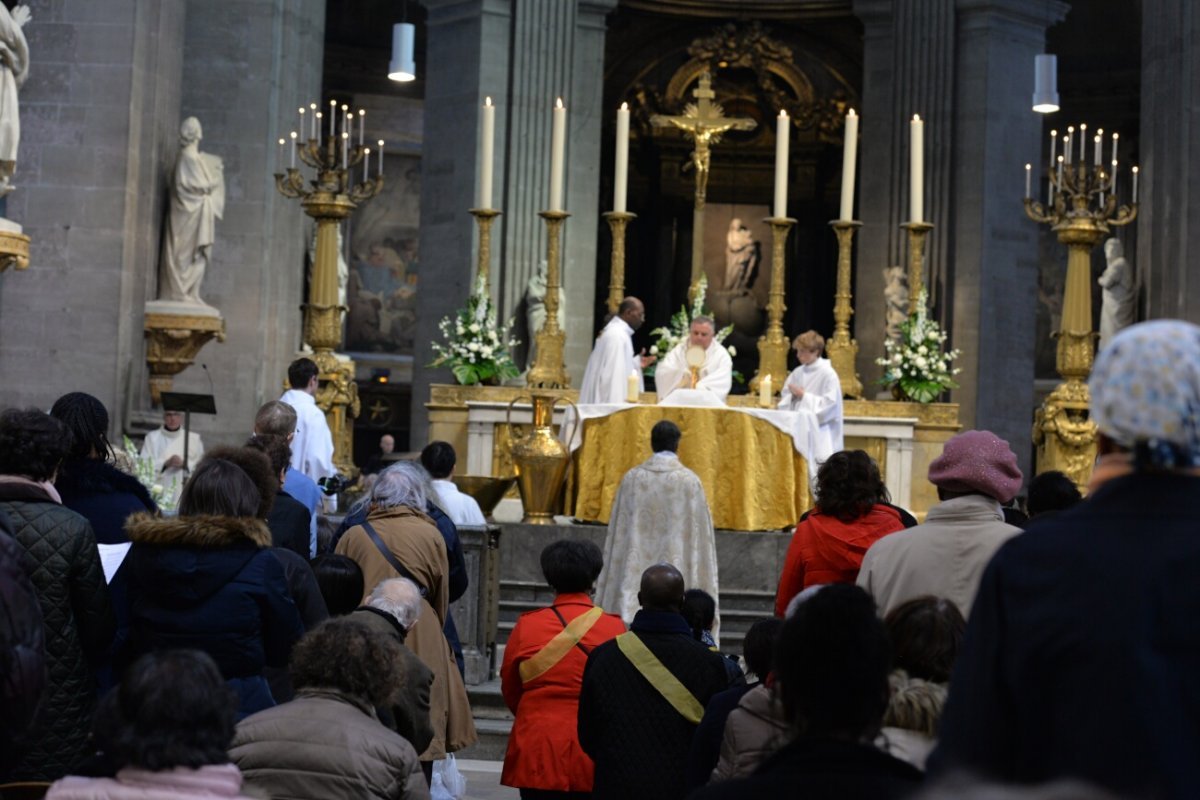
<point>477,349</point>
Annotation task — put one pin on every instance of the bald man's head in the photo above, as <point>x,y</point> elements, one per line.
<point>662,589</point>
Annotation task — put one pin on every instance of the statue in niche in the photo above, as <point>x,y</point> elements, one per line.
<point>535,309</point>
<point>742,257</point>
<point>14,58</point>
<point>197,201</point>
<point>1119,296</point>
<point>895,294</point>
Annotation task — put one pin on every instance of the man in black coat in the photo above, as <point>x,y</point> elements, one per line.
<point>832,664</point>
<point>644,693</point>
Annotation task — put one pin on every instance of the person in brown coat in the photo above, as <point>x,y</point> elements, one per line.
<point>328,742</point>
<point>398,540</point>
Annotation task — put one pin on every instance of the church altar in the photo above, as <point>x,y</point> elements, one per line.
<point>902,437</point>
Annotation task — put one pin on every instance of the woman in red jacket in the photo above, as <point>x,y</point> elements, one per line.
<point>851,514</point>
<point>542,675</point>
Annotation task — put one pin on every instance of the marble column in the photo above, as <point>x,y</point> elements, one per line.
<point>993,277</point>
<point>524,56</point>
<point>100,126</point>
<point>1168,222</point>
<point>256,277</point>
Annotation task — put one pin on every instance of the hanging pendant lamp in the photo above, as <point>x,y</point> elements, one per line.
<point>403,66</point>
<point>1045,84</point>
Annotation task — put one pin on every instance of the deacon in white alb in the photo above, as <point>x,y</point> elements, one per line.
<point>606,379</point>
<point>312,447</point>
<point>165,447</point>
<point>814,385</point>
<point>716,376</point>
<point>439,459</point>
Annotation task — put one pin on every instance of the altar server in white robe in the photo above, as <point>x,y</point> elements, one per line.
<point>814,385</point>
<point>606,379</point>
<point>660,514</point>
<point>716,376</point>
<point>165,447</point>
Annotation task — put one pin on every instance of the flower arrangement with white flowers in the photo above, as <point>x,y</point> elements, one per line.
<point>477,348</point>
<point>914,365</point>
<point>146,471</point>
<point>668,336</point>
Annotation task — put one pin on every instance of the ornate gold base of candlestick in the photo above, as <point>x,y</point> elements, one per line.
<point>917,231</point>
<point>338,398</point>
<point>484,217</point>
<point>617,220</point>
<point>14,249</point>
<point>773,346</point>
<point>841,348</point>
<point>172,343</point>
<point>549,371</point>
<point>1065,435</point>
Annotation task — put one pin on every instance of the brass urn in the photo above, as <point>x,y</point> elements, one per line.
<point>540,460</point>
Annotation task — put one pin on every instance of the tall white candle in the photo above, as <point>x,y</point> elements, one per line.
<point>1069,143</point>
<point>916,168</point>
<point>1113,185</point>
<point>849,162</point>
<point>1099,143</point>
<point>281,153</point>
<point>1060,166</point>
<point>558,146</point>
<point>312,121</point>
<point>487,136</point>
<point>318,119</point>
<point>783,130</point>
<point>301,127</point>
<point>621,171</point>
<point>1114,155</point>
<point>332,117</point>
<point>293,164</point>
<point>366,163</point>
<point>1028,181</point>
<point>1135,176</point>
<point>1083,144</point>
<point>1050,174</point>
<point>362,124</point>
<point>380,173</point>
<point>345,149</point>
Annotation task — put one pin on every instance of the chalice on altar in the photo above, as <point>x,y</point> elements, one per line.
<point>695,356</point>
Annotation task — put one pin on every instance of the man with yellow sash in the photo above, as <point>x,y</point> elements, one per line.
<point>643,695</point>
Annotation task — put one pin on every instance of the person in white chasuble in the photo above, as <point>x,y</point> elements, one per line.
<point>606,379</point>
<point>814,385</point>
<point>715,376</point>
<point>660,514</point>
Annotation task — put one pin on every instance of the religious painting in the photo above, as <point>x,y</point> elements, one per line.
<point>738,265</point>
<point>384,270</point>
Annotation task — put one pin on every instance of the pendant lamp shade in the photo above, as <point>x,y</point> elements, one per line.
<point>1045,84</point>
<point>403,66</point>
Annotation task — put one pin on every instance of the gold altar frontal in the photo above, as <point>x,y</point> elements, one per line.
<point>753,477</point>
<point>936,422</point>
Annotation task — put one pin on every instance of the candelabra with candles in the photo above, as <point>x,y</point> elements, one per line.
<point>1082,207</point>
<point>329,197</point>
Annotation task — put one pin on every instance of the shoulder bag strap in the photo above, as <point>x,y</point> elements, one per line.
<point>558,647</point>
<point>391,558</point>
<point>660,677</point>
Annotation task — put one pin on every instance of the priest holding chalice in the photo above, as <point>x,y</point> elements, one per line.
<point>697,371</point>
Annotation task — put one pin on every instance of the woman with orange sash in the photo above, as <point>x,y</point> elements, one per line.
<point>542,675</point>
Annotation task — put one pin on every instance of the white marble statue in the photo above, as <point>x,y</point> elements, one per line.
<point>1119,296</point>
<point>197,201</point>
<point>14,69</point>
<point>895,294</point>
<point>535,309</point>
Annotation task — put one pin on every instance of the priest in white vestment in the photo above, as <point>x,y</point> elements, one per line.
<point>660,515</point>
<point>814,385</point>
<point>165,447</point>
<point>606,379</point>
<point>715,376</point>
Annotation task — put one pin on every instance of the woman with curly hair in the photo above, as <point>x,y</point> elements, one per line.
<point>328,742</point>
<point>60,552</point>
<point>208,579</point>
<point>852,512</point>
<point>166,730</point>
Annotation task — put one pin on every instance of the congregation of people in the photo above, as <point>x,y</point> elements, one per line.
<point>986,650</point>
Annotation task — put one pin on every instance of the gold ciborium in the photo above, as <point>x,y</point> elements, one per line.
<point>540,460</point>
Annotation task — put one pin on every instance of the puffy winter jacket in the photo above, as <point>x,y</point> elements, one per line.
<point>22,647</point>
<point>78,625</point>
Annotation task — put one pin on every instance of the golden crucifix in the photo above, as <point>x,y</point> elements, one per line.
<point>703,122</point>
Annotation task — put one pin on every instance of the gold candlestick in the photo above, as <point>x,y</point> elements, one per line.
<point>773,347</point>
<point>548,371</point>
<point>484,217</point>
<point>1063,430</point>
<point>329,198</point>
<point>917,231</point>
<point>841,348</point>
<point>617,220</point>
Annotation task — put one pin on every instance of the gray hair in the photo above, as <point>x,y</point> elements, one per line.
<point>402,484</point>
<point>709,321</point>
<point>399,598</point>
